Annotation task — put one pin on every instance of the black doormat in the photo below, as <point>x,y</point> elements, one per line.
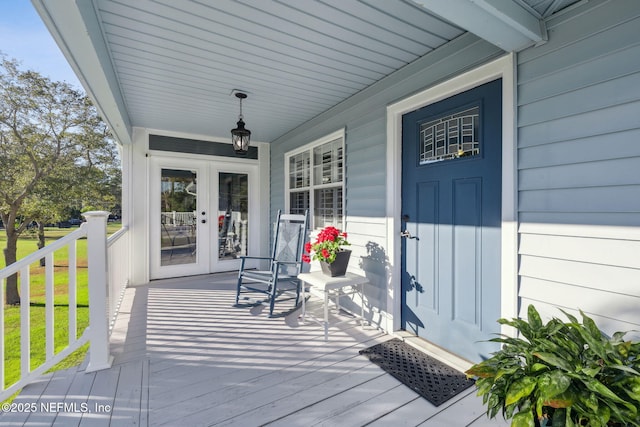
<point>423,374</point>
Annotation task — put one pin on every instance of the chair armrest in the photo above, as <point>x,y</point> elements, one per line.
<point>255,257</point>
<point>287,262</point>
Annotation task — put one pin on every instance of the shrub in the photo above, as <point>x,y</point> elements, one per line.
<point>561,374</point>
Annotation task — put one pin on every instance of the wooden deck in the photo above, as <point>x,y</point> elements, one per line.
<point>185,357</point>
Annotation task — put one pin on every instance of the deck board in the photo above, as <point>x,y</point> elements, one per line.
<point>411,413</point>
<point>29,394</point>
<point>184,356</point>
<point>77,394</point>
<point>272,404</point>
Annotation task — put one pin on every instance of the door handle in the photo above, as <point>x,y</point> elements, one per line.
<point>407,235</point>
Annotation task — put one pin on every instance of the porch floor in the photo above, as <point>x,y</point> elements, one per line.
<point>184,356</point>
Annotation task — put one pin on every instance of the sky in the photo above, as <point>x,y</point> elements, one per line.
<point>24,37</point>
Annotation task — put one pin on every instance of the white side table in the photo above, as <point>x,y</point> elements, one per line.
<point>333,286</point>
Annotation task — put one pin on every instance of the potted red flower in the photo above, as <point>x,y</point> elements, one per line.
<point>328,249</point>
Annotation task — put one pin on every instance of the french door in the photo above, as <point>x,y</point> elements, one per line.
<point>202,218</point>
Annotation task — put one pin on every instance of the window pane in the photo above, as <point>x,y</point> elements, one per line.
<point>449,137</point>
<point>327,163</point>
<point>299,170</point>
<point>298,202</point>
<point>328,207</point>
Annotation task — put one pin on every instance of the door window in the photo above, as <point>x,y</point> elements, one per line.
<point>450,136</point>
<point>233,215</point>
<point>178,204</point>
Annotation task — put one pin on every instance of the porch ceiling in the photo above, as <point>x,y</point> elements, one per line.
<point>173,64</point>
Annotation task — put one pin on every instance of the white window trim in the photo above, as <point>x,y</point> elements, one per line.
<point>309,147</point>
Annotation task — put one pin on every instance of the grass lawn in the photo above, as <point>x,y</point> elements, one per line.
<point>28,244</point>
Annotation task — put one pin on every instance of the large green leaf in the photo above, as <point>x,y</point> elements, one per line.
<point>595,344</point>
<point>554,360</point>
<point>569,316</point>
<point>622,347</point>
<point>562,400</point>
<point>494,401</point>
<point>523,418</point>
<point>507,372</point>
<point>625,369</point>
<point>519,389</point>
<point>588,322</point>
<point>551,345</point>
<point>482,370</point>
<point>591,372</point>
<point>483,385</point>
<point>599,388</point>
<point>631,386</point>
<point>618,336</point>
<point>553,383</point>
<point>534,318</point>
<point>590,401</point>
<point>537,367</point>
<point>603,414</point>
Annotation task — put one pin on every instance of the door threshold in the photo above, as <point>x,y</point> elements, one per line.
<point>434,351</point>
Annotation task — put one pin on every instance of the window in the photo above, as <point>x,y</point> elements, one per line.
<point>450,137</point>
<point>315,181</point>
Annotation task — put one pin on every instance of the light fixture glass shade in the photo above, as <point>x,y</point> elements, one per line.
<point>240,138</point>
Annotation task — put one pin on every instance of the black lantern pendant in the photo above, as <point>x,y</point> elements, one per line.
<point>240,136</point>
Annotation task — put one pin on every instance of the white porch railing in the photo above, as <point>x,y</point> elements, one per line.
<point>108,269</point>
<point>118,263</point>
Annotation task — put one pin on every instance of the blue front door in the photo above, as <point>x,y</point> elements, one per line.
<point>451,216</point>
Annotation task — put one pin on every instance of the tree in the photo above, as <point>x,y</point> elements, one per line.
<point>55,154</point>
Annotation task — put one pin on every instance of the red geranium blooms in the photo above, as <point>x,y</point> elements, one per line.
<point>328,243</point>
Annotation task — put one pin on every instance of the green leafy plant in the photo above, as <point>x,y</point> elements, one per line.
<point>561,374</point>
<point>329,242</point>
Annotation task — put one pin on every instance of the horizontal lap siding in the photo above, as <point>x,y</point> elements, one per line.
<point>579,166</point>
<point>363,116</point>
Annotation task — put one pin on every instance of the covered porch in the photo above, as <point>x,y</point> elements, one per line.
<point>185,356</point>
<point>337,79</point>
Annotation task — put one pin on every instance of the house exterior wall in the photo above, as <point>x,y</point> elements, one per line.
<point>364,118</point>
<point>579,166</point>
<point>578,163</point>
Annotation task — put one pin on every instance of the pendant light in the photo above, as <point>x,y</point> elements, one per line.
<point>240,136</point>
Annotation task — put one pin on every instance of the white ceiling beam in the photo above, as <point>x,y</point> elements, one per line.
<point>503,23</point>
<point>76,30</point>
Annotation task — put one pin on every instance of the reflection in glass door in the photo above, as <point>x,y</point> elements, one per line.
<point>178,199</point>
<point>233,215</point>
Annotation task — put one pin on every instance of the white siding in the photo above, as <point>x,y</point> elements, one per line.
<point>579,166</point>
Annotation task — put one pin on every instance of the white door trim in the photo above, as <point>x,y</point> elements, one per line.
<point>503,67</point>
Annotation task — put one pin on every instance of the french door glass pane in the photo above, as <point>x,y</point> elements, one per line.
<point>233,215</point>
<point>178,200</point>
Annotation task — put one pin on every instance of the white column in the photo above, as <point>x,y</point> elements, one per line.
<point>99,356</point>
